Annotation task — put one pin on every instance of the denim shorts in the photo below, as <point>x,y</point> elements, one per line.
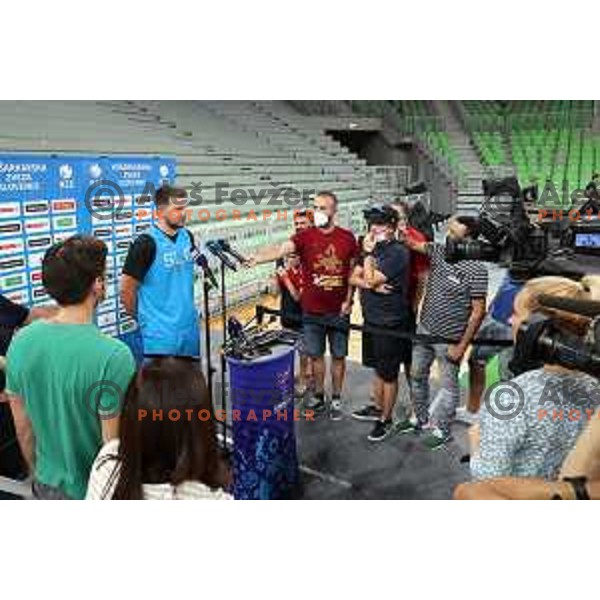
<point>331,327</point>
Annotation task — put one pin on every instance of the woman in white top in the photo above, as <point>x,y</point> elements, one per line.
<point>167,447</point>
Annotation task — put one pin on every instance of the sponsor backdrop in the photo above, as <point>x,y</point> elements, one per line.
<point>47,198</point>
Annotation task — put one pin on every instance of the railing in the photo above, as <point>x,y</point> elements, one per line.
<point>529,120</point>
<point>390,181</point>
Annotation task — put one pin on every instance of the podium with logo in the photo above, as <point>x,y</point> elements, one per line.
<point>265,463</point>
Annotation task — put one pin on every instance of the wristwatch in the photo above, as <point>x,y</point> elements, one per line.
<point>578,485</point>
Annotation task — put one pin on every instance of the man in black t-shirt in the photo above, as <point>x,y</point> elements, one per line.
<point>12,316</point>
<point>383,280</point>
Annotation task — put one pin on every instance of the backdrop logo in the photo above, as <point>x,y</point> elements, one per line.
<point>95,171</point>
<point>65,171</point>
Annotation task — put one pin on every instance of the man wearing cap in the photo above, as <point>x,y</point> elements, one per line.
<point>383,280</point>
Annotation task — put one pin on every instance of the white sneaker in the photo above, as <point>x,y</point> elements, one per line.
<point>335,409</point>
<point>466,416</point>
<point>300,391</point>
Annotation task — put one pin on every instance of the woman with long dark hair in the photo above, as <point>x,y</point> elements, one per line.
<point>167,447</point>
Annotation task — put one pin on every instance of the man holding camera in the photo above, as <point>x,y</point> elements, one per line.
<point>453,307</point>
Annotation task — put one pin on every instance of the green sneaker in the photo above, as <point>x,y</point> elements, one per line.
<point>406,426</point>
<point>435,439</point>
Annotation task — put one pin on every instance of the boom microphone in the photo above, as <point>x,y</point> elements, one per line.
<point>585,308</point>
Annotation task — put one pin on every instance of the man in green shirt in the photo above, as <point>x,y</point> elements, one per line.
<point>66,379</point>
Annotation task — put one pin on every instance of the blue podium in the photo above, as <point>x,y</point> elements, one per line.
<point>265,464</point>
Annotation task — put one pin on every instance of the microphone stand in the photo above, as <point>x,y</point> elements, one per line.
<point>224,261</point>
<point>223,359</point>
<point>209,368</point>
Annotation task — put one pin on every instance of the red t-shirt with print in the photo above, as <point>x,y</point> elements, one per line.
<point>419,263</point>
<point>327,259</point>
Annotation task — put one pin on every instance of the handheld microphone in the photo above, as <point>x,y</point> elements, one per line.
<point>201,261</point>
<point>226,247</point>
<point>215,249</point>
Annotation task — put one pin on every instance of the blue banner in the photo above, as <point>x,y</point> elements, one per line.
<point>45,199</point>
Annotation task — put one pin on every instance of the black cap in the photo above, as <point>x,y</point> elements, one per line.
<point>381,214</point>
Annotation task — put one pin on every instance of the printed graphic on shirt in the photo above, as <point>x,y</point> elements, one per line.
<point>329,262</point>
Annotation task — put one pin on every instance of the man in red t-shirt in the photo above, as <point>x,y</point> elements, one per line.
<point>419,263</point>
<point>327,255</point>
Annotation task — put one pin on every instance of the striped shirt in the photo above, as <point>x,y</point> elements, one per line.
<point>105,473</point>
<point>449,292</point>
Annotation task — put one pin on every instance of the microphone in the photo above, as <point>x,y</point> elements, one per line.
<point>201,261</point>
<point>585,308</point>
<point>226,247</point>
<point>215,249</point>
<point>235,329</point>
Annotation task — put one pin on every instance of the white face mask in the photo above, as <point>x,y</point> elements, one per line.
<point>321,219</point>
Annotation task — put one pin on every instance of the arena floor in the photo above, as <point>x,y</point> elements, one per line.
<point>338,462</point>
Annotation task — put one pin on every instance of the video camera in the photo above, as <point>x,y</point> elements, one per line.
<point>506,234</point>
<point>539,341</point>
<point>509,238</point>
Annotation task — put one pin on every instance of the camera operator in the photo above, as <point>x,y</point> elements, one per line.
<point>453,307</point>
<point>383,282</point>
<point>592,189</point>
<point>535,441</point>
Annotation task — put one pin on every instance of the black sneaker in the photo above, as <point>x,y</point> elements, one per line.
<point>381,430</point>
<point>316,404</point>
<point>369,412</point>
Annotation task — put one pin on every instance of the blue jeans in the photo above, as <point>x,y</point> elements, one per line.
<point>448,396</point>
<point>331,327</point>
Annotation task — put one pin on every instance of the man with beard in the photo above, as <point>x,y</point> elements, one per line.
<point>327,255</point>
<point>157,286</point>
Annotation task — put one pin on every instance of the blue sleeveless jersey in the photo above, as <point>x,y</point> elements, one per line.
<point>168,319</point>
<point>502,304</point>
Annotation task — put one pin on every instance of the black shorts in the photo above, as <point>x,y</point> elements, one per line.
<point>385,353</point>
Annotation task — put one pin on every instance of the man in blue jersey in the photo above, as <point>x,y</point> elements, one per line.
<point>157,286</point>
